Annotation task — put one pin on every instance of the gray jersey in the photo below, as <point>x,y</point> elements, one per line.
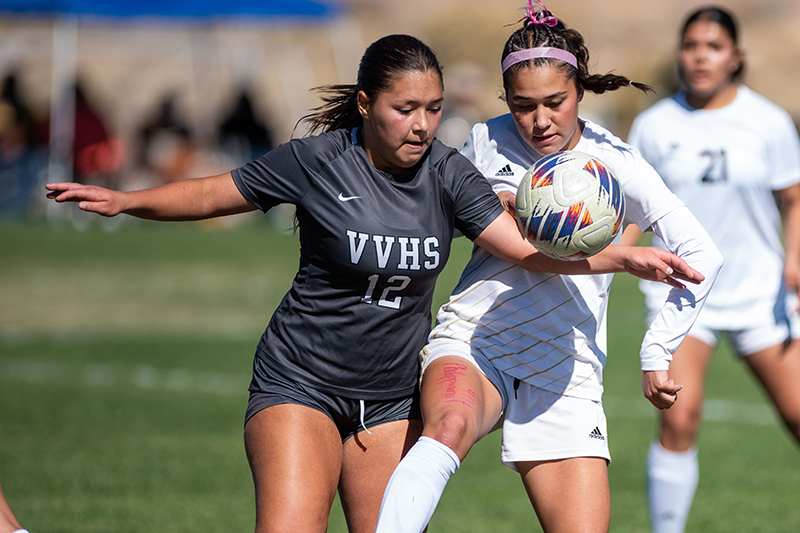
<point>372,246</point>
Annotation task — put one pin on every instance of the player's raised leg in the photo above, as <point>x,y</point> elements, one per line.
<point>295,455</point>
<point>368,462</point>
<point>459,406</point>
<point>569,495</point>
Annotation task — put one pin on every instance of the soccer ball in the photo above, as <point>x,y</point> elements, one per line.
<point>569,205</point>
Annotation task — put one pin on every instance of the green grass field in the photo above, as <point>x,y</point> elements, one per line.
<point>125,358</point>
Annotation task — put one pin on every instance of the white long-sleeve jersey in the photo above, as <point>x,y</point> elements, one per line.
<point>550,330</point>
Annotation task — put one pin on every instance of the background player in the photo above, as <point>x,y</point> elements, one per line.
<point>333,399</point>
<point>734,158</point>
<point>527,348</point>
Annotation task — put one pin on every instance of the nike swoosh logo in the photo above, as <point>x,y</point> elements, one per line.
<point>343,198</point>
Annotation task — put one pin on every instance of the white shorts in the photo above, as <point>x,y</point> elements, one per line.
<point>538,425</point>
<point>751,340</point>
<point>756,331</point>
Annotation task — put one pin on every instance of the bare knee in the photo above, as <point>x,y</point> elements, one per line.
<point>679,428</point>
<point>454,430</point>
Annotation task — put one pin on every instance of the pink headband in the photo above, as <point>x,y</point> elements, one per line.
<point>542,52</point>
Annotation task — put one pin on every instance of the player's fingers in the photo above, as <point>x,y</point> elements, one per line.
<point>61,195</point>
<point>61,186</point>
<point>674,283</point>
<point>664,399</point>
<point>667,400</point>
<point>71,195</point>
<point>682,270</point>
<point>669,387</point>
<point>62,192</point>
<point>509,201</point>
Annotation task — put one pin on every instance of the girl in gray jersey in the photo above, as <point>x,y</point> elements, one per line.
<point>333,400</point>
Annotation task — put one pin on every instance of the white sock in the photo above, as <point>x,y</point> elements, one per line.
<point>671,482</point>
<point>416,486</point>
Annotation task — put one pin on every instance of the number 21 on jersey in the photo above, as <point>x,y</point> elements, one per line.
<point>715,168</point>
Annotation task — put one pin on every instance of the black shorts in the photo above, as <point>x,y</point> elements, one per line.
<point>350,415</point>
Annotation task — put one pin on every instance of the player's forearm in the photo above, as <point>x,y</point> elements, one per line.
<point>503,240</point>
<point>790,210</point>
<point>684,236</point>
<point>193,199</point>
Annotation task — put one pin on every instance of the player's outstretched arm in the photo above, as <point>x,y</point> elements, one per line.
<point>193,199</point>
<point>659,389</point>
<point>503,239</point>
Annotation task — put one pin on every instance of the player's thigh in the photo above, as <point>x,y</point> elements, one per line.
<point>295,455</point>
<point>778,370</point>
<point>369,458</point>
<point>460,405</point>
<point>569,495</point>
<point>689,367</point>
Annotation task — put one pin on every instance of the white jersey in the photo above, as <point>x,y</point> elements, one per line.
<point>725,164</point>
<point>546,329</point>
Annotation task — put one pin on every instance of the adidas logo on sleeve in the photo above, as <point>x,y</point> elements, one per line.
<point>505,171</point>
<point>596,434</point>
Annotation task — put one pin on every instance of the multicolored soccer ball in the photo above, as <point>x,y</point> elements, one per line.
<point>569,205</point>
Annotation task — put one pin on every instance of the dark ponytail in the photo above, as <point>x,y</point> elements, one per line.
<point>382,62</point>
<point>535,35</point>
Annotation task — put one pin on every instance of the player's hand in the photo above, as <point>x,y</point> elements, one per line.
<point>791,273</point>
<point>655,264</point>
<point>89,198</point>
<point>659,389</point>
<point>509,201</point>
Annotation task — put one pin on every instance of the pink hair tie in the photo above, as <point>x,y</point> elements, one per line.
<point>542,16</point>
<point>543,52</point>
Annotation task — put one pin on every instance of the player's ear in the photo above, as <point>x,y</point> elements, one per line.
<point>736,60</point>
<point>363,104</point>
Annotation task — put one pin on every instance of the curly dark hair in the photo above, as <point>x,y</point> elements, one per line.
<point>557,35</point>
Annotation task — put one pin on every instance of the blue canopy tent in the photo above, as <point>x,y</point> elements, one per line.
<point>69,15</point>
<point>178,9</point>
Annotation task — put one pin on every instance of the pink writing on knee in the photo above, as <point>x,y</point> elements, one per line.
<point>451,373</point>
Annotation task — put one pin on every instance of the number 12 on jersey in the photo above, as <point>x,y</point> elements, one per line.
<point>392,285</point>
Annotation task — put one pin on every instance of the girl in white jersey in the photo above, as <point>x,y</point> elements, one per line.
<point>333,399</point>
<point>527,350</point>
<point>729,154</point>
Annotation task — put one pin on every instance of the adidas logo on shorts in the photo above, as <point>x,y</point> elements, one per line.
<point>505,171</point>
<point>596,434</point>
